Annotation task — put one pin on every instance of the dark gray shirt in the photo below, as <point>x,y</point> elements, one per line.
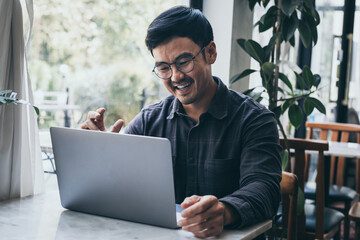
<point>231,153</point>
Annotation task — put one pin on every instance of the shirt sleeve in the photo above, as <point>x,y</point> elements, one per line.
<point>258,196</point>
<point>136,126</point>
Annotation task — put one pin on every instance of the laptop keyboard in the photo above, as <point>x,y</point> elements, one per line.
<point>179,209</point>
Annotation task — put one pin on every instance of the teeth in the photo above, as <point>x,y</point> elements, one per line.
<point>182,87</point>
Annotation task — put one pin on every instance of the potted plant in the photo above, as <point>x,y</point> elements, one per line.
<point>283,18</point>
<point>8,97</point>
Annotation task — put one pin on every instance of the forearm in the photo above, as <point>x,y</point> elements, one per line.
<point>231,216</point>
<point>254,202</point>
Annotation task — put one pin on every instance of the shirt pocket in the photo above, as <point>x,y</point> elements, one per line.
<point>220,176</point>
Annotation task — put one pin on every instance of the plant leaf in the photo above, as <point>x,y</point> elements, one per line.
<point>269,47</point>
<point>254,50</point>
<point>299,80</point>
<point>247,92</point>
<point>5,92</point>
<point>268,69</point>
<point>36,110</point>
<point>241,42</point>
<point>308,106</point>
<point>277,111</point>
<point>310,9</point>
<point>241,75</point>
<point>311,22</point>
<point>257,97</point>
<point>305,33</point>
<point>288,6</point>
<point>292,41</point>
<point>290,25</point>
<point>314,34</point>
<point>295,115</point>
<point>285,80</point>
<point>281,90</point>
<point>317,17</point>
<point>252,4</point>
<point>286,104</point>
<point>284,158</point>
<point>317,104</point>
<point>254,95</point>
<point>267,20</point>
<point>316,80</point>
<point>308,77</point>
<point>265,2</point>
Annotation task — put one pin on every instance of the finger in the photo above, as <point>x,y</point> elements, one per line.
<point>210,232</point>
<point>84,126</point>
<point>101,111</point>
<point>91,125</point>
<point>202,205</point>
<point>213,212</point>
<point>190,201</point>
<point>117,126</point>
<point>208,224</point>
<point>97,117</point>
<point>94,115</point>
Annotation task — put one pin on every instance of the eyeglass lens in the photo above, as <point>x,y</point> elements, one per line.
<point>184,65</point>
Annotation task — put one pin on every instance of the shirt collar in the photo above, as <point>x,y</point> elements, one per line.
<point>218,106</point>
<point>175,108</point>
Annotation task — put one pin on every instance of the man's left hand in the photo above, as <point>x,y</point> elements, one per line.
<point>204,216</point>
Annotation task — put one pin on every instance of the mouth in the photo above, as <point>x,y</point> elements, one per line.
<point>183,86</point>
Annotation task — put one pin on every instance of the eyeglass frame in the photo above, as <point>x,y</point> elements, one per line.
<point>176,65</point>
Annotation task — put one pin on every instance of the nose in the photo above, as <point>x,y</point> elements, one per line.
<point>176,74</point>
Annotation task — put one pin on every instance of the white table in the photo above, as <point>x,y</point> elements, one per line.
<point>42,218</point>
<point>338,149</point>
<point>341,149</point>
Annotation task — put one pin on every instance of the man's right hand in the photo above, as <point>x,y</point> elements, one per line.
<point>95,121</point>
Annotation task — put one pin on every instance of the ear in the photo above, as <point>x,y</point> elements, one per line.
<point>211,52</point>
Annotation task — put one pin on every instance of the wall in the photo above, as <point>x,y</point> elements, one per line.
<point>230,19</point>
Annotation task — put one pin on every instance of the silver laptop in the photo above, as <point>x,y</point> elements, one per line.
<point>115,175</point>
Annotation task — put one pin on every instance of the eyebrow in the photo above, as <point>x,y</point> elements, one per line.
<point>183,55</point>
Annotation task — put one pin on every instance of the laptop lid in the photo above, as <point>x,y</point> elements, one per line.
<point>115,175</point>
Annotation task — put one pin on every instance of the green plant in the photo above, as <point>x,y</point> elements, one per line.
<point>8,96</point>
<point>282,18</point>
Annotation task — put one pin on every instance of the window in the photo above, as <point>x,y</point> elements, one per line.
<point>96,50</point>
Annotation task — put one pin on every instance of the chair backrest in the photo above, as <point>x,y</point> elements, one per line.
<point>289,191</point>
<point>339,132</point>
<point>300,146</point>
<point>51,98</point>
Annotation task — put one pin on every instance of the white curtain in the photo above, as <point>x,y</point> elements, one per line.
<point>21,172</point>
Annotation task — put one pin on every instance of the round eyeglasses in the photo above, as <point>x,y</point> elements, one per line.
<point>184,64</point>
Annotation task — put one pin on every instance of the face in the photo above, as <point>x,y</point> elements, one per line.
<point>191,87</point>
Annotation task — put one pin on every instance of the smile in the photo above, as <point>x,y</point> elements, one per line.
<point>183,87</point>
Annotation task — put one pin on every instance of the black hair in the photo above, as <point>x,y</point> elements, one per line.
<point>179,21</point>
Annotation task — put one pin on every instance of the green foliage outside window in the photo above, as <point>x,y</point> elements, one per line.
<point>97,49</point>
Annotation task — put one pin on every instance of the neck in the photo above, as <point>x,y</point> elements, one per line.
<point>194,110</point>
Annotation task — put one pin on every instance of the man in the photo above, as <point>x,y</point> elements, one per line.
<point>226,159</point>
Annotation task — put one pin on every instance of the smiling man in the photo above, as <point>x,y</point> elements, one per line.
<point>226,155</point>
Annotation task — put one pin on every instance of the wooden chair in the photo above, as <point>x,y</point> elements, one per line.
<point>338,193</point>
<point>354,212</point>
<point>354,215</point>
<point>285,222</point>
<point>316,221</point>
